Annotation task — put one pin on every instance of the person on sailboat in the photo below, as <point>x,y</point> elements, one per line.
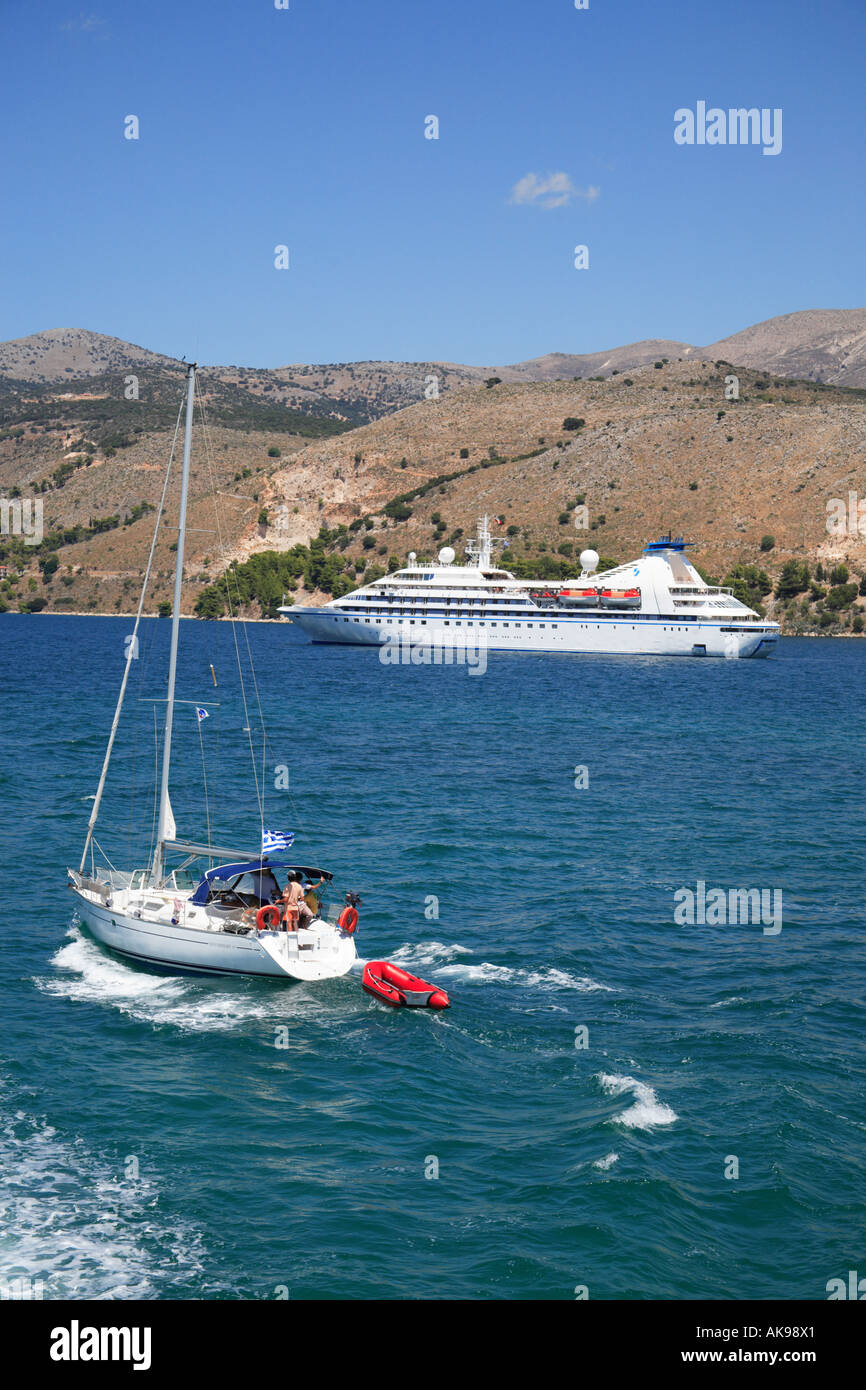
<point>311,897</point>
<point>292,900</point>
<point>264,884</point>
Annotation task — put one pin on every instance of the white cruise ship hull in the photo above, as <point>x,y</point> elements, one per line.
<point>580,633</point>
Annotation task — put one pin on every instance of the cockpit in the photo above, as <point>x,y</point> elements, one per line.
<point>256,888</point>
<point>231,888</point>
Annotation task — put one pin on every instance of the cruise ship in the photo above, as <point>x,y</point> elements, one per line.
<point>658,605</point>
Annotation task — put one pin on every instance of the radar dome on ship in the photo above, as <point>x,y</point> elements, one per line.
<point>446,555</point>
<point>589,559</point>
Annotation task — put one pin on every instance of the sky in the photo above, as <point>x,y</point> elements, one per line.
<point>306,127</point>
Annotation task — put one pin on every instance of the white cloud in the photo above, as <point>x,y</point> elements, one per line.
<point>84,24</point>
<point>550,190</point>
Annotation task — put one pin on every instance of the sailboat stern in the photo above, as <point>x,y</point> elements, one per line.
<point>317,952</point>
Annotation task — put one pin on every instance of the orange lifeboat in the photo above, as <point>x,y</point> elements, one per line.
<point>620,598</point>
<point>579,598</point>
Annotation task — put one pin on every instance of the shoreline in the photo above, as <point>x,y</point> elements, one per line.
<point>191,617</point>
<point>184,617</point>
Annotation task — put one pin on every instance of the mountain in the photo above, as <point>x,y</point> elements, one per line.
<point>561,364</point>
<point>647,448</point>
<point>823,345</point>
<point>819,344</point>
<point>73,352</point>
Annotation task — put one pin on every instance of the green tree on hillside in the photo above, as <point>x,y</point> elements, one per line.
<point>793,579</point>
<point>749,584</point>
<point>841,596</point>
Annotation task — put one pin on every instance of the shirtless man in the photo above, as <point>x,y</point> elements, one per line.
<point>293,901</point>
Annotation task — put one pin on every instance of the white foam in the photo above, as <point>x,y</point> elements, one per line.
<point>607,1162</point>
<point>549,979</point>
<point>561,979</point>
<point>92,976</point>
<point>445,958</point>
<point>734,999</point>
<point>428,953</point>
<point>470,974</point>
<point>647,1111</point>
<point>82,1231</point>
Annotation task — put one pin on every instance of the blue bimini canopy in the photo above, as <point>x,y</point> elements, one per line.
<point>250,866</point>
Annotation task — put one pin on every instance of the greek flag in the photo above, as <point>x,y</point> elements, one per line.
<point>273,840</point>
<point>201,714</point>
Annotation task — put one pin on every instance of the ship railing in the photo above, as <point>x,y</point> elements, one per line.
<point>703,590</point>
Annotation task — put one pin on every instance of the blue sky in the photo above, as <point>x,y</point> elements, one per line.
<point>305,127</point>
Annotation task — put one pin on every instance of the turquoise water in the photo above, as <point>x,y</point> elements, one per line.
<point>449,801</point>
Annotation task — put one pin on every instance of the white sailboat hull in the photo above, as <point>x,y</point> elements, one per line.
<point>316,954</point>
<point>147,915</point>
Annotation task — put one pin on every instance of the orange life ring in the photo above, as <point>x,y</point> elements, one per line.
<point>268,918</point>
<point>348,920</point>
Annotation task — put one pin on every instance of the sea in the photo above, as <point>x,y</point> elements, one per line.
<point>634,1095</point>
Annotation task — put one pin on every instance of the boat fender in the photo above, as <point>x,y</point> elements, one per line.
<point>268,918</point>
<point>348,920</point>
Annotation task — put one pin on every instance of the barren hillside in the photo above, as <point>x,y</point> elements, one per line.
<point>644,450</point>
<point>659,449</point>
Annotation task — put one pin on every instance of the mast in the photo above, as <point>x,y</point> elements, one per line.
<point>480,550</point>
<point>484,546</point>
<point>164,805</point>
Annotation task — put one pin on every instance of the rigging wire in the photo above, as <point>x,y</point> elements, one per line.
<point>228,575</point>
<point>204,775</point>
<point>147,645</point>
<point>129,659</point>
<point>104,855</point>
<point>223,555</point>
<point>154,812</point>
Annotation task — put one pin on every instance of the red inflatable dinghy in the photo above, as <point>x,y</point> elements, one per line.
<point>397,987</point>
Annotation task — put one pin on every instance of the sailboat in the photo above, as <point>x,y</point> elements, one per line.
<point>221,919</point>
